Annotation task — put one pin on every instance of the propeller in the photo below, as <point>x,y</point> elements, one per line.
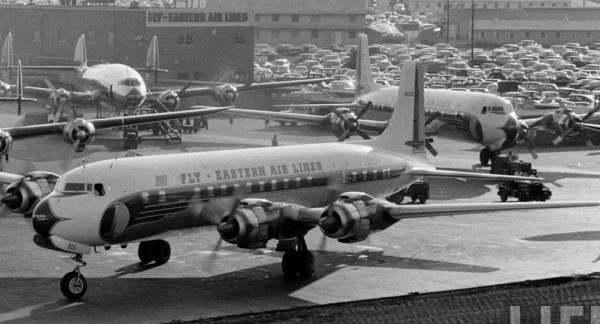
<point>524,135</point>
<point>351,124</point>
<point>60,97</point>
<point>573,125</point>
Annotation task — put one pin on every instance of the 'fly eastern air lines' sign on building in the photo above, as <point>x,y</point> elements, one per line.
<point>194,18</point>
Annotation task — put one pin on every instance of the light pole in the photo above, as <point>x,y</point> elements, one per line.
<point>447,21</point>
<point>472,29</point>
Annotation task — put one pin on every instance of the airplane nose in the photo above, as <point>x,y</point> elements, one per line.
<point>134,97</point>
<point>43,218</point>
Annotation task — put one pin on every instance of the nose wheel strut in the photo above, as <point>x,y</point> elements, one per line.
<point>73,285</point>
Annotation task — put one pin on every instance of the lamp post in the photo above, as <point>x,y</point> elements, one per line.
<point>447,21</point>
<point>472,29</point>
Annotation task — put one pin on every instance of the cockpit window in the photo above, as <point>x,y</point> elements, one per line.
<point>130,82</point>
<point>72,186</point>
<point>98,189</point>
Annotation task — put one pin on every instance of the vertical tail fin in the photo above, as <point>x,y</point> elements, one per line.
<point>80,56</point>
<point>363,67</point>
<point>152,61</point>
<point>7,58</point>
<point>405,131</point>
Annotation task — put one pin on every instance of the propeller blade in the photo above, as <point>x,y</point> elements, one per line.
<point>363,134</point>
<point>344,135</point>
<point>50,85</point>
<point>430,147</point>
<point>364,110</point>
<point>339,115</point>
<point>185,87</point>
<point>530,147</point>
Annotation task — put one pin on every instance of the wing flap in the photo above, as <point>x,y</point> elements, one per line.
<point>468,175</point>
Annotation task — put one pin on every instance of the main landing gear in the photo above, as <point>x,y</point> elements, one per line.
<point>158,251</point>
<point>73,285</point>
<point>486,155</point>
<point>299,262</point>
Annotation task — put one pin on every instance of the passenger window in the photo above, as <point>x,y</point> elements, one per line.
<point>98,189</point>
<point>483,110</point>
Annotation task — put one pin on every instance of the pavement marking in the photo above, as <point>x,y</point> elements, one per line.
<point>20,313</point>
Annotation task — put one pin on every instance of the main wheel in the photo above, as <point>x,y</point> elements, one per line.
<point>288,263</point>
<point>484,156</point>
<point>396,198</point>
<point>306,264</point>
<point>161,252</point>
<point>422,198</point>
<point>503,196</point>
<point>73,285</point>
<point>144,252</point>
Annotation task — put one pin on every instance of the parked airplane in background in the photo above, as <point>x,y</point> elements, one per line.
<point>253,195</point>
<point>19,99</point>
<point>121,87</point>
<point>489,119</point>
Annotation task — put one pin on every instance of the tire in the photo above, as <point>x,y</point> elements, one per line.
<point>161,252</point>
<point>503,196</point>
<point>413,198</point>
<point>282,123</point>
<point>288,263</point>
<point>422,199</point>
<point>73,285</point>
<point>306,264</point>
<point>294,123</point>
<point>144,252</point>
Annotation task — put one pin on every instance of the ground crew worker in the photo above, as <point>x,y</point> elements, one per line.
<point>274,141</point>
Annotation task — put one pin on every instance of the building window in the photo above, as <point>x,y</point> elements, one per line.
<point>184,39</point>
<point>37,35</point>
<point>554,5</point>
<point>428,5</point>
<point>239,40</point>
<point>557,34</point>
<point>183,76</point>
<point>275,18</point>
<point>543,35</point>
<point>485,6</point>
<point>588,35</point>
<point>497,34</point>
<point>256,17</point>
<point>295,18</point>
<point>482,34</point>
<point>573,35</point>
<point>520,5</point>
<point>295,33</point>
<point>541,4</point>
<point>531,4</point>
<point>512,34</point>
<point>496,5</point>
<point>314,18</point>
<point>110,39</point>
<point>314,33</point>
<point>352,34</point>
<point>274,33</point>
<point>527,34</point>
<point>62,36</point>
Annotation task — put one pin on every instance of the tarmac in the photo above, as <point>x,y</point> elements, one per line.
<point>206,279</point>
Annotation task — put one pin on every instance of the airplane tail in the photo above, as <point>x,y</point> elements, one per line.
<point>152,60</point>
<point>363,67</point>
<point>405,131</point>
<point>7,58</point>
<point>80,56</point>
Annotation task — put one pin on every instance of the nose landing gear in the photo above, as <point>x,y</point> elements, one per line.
<point>73,285</point>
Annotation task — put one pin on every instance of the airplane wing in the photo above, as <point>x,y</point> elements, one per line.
<point>76,97</point>
<point>325,106</point>
<point>372,125</point>
<point>399,212</point>
<point>468,175</point>
<point>35,130</point>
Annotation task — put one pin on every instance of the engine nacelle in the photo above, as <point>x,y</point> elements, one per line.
<point>170,99</point>
<point>60,97</point>
<point>79,133</point>
<point>225,94</point>
<point>248,226</point>
<point>21,197</point>
<point>353,217</point>
<point>5,143</point>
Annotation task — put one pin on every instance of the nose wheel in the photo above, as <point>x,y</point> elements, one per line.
<point>299,262</point>
<point>73,285</point>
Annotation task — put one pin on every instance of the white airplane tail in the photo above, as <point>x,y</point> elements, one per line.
<point>7,58</point>
<point>152,56</point>
<point>405,131</point>
<point>80,56</point>
<point>363,68</point>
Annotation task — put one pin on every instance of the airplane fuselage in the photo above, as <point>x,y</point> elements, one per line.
<point>169,192</point>
<point>119,85</point>
<point>489,119</point>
